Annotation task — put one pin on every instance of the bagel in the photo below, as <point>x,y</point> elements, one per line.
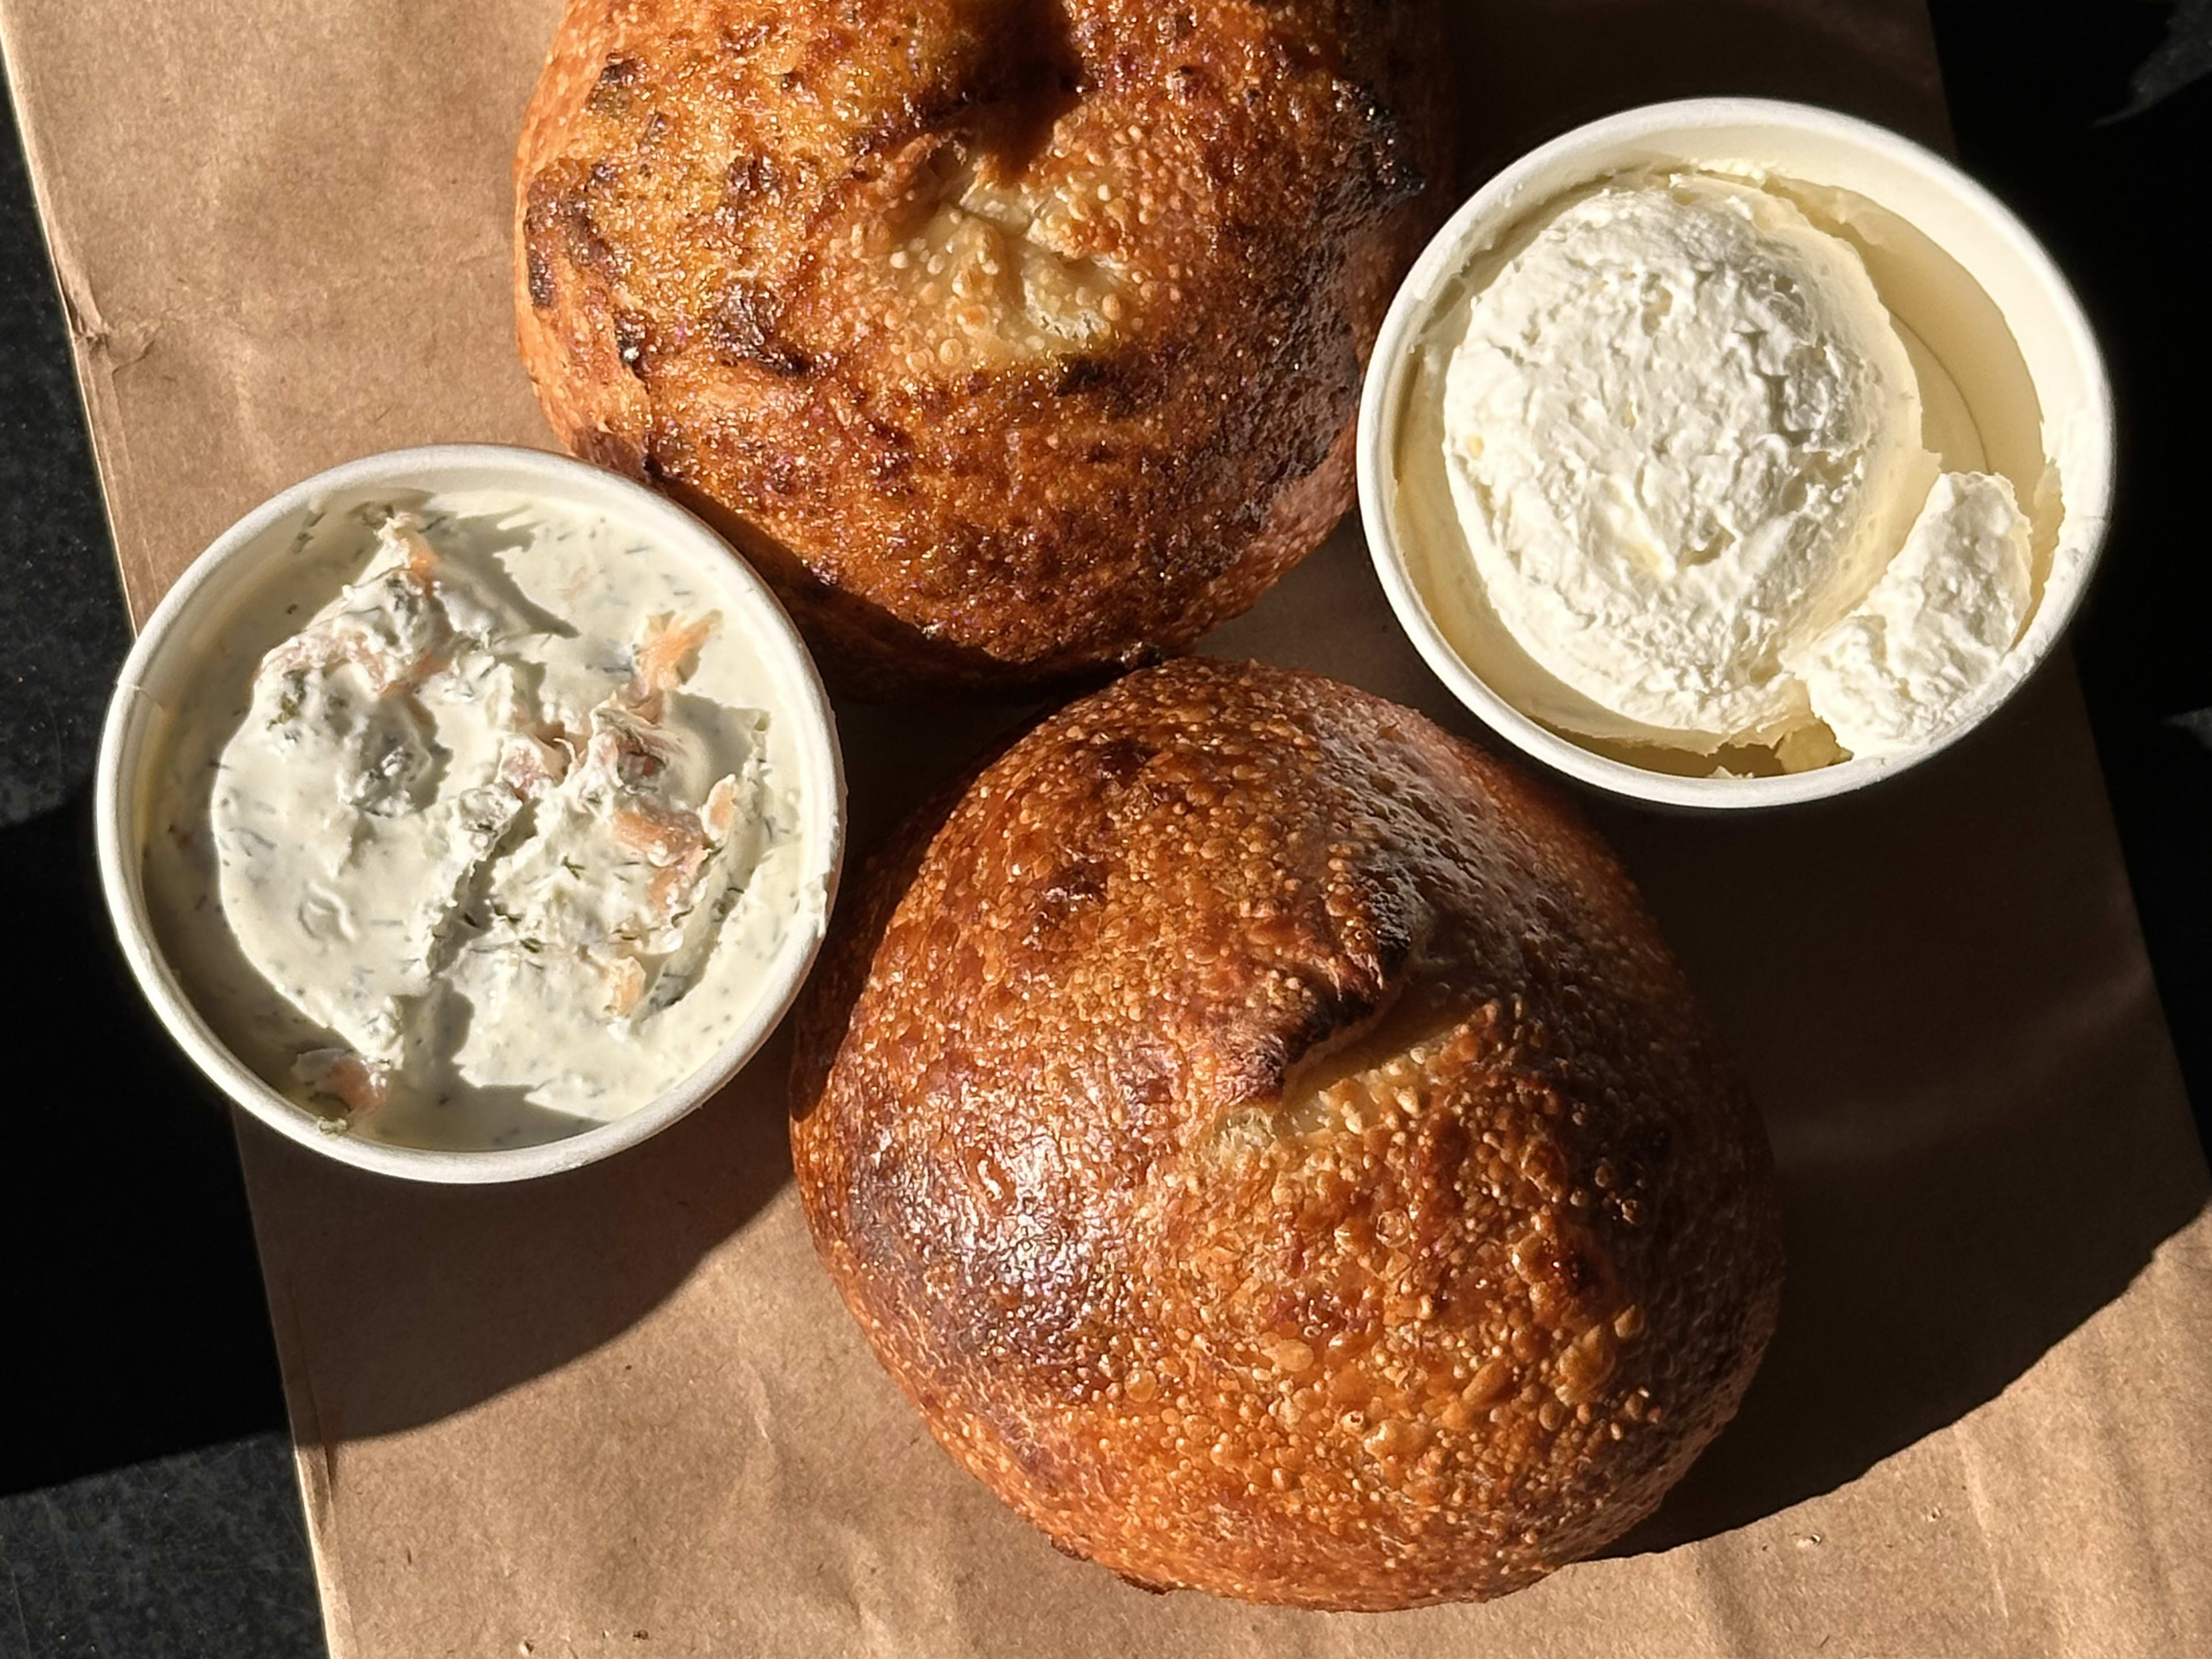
<point>1271,1144</point>
<point>1015,342</point>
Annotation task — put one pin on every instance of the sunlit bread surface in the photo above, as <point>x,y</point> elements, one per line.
<point>1016,341</point>
<point>1268,1140</point>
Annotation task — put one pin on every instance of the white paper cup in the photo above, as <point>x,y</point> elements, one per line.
<point>160,675</point>
<point>2012,293</point>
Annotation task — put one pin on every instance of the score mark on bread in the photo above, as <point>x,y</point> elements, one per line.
<point>998,276</point>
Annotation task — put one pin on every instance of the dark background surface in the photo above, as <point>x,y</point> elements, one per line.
<point>147,1505</point>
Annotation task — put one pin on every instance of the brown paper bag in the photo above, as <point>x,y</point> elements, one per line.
<point>622,1412</point>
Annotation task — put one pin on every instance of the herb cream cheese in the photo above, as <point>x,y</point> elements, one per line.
<point>498,836</point>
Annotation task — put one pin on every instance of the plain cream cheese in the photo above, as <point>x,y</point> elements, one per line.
<point>1935,629</point>
<point>495,843</point>
<point>1684,441</point>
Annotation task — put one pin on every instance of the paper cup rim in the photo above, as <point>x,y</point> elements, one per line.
<point>1494,208</point>
<point>124,753</point>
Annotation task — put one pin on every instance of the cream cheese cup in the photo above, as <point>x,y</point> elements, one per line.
<point>2018,368</point>
<point>210,617</point>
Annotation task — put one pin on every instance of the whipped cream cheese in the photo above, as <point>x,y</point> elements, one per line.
<point>1933,629</point>
<point>497,838</point>
<point>1687,446</point>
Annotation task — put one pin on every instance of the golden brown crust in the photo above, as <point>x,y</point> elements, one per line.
<point>1270,1142</point>
<point>1015,340</point>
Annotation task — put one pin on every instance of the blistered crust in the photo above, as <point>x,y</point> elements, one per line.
<point>1015,341</point>
<point>1271,1144</point>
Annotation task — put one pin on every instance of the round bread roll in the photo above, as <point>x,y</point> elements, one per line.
<point>1270,1142</point>
<point>1014,342</point>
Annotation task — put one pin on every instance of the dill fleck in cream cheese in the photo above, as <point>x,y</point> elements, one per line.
<point>495,843</point>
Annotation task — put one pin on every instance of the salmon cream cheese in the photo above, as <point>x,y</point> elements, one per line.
<point>497,834</point>
<point>1687,444</point>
